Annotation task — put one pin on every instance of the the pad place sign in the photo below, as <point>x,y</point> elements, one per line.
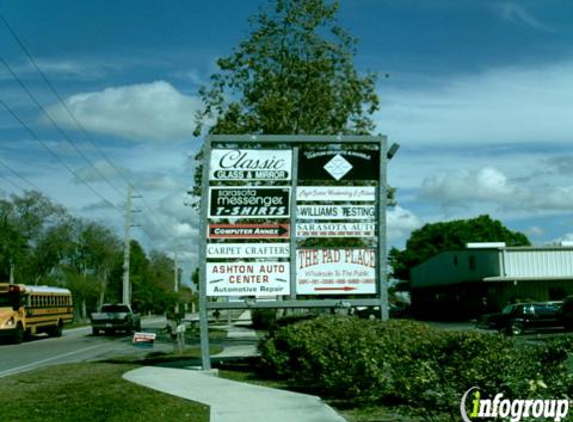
<point>248,250</point>
<point>248,279</point>
<point>335,271</point>
<point>250,164</point>
<point>338,164</point>
<point>336,212</point>
<point>335,230</point>
<point>335,193</point>
<point>249,202</point>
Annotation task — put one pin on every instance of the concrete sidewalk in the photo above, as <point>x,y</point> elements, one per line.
<point>232,401</point>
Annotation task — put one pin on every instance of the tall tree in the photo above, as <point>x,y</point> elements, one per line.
<point>434,238</point>
<point>294,74</point>
<point>37,236</point>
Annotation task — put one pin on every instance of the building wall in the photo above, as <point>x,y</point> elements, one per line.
<point>465,284</point>
<point>541,262</point>
<point>454,267</point>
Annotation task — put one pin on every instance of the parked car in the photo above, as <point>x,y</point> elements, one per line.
<point>395,310</point>
<point>115,317</point>
<point>516,318</point>
<point>567,312</point>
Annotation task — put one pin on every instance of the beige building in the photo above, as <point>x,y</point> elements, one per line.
<point>484,277</point>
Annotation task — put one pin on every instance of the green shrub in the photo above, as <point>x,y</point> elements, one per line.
<point>262,319</point>
<point>408,362</point>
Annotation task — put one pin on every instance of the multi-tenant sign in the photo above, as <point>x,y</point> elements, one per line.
<point>249,202</point>
<point>338,164</point>
<point>336,212</point>
<point>335,193</point>
<point>248,279</point>
<point>335,271</point>
<point>250,164</point>
<point>248,250</point>
<point>335,230</point>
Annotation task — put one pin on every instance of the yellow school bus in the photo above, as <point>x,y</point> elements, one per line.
<point>27,310</point>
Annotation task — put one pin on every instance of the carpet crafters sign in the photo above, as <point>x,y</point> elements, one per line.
<point>250,164</point>
<point>249,202</point>
<point>248,279</point>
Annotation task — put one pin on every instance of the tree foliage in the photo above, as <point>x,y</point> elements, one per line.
<point>42,243</point>
<point>434,238</point>
<point>294,74</point>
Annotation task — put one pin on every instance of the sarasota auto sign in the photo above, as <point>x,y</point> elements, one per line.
<point>250,164</point>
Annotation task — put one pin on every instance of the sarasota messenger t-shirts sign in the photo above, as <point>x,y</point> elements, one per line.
<point>249,202</point>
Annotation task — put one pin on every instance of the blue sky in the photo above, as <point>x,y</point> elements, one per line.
<point>478,94</point>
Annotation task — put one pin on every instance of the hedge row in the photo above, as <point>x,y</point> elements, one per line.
<point>411,363</point>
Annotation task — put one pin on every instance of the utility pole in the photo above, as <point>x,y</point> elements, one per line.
<point>176,282</point>
<point>126,297</point>
<point>11,271</point>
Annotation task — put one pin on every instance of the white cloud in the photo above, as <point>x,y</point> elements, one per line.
<point>98,171</point>
<point>460,187</point>
<point>502,105</point>
<point>514,12</point>
<point>160,182</point>
<point>155,111</point>
<point>400,224</point>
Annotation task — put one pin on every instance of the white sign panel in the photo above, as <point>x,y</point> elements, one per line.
<point>335,271</point>
<point>248,250</point>
<point>250,164</point>
<point>335,230</point>
<point>336,212</point>
<point>335,193</point>
<point>248,279</point>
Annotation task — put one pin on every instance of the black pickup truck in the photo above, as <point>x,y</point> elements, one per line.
<point>516,318</point>
<point>115,317</point>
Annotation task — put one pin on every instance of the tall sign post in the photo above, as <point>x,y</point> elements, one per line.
<point>268,200</point>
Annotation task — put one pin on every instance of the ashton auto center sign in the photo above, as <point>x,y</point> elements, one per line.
<point>248,278</point>
<point>250,164</point>
<point>335,271</point>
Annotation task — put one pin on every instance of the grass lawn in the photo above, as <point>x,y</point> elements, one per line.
<point>89,392</point>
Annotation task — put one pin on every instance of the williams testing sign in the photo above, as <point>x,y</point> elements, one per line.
<point>335,271</point>
<point>250,164</point>
<point>248,279</point>
<point>247,202</point>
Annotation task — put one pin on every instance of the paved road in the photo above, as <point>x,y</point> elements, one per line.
<point>75,345</point>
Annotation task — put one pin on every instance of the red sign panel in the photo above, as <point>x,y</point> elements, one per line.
<point>248,231</point>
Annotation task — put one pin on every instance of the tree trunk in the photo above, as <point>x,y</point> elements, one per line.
<point>83,310</point>
<point>103,288</point>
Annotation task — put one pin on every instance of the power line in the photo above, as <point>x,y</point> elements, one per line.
<point>58,128</point>
<point>78,124</point>
<point>12,183</point>
<point>72,171</point>
<point>59,97</point>
<point>15,173</point>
